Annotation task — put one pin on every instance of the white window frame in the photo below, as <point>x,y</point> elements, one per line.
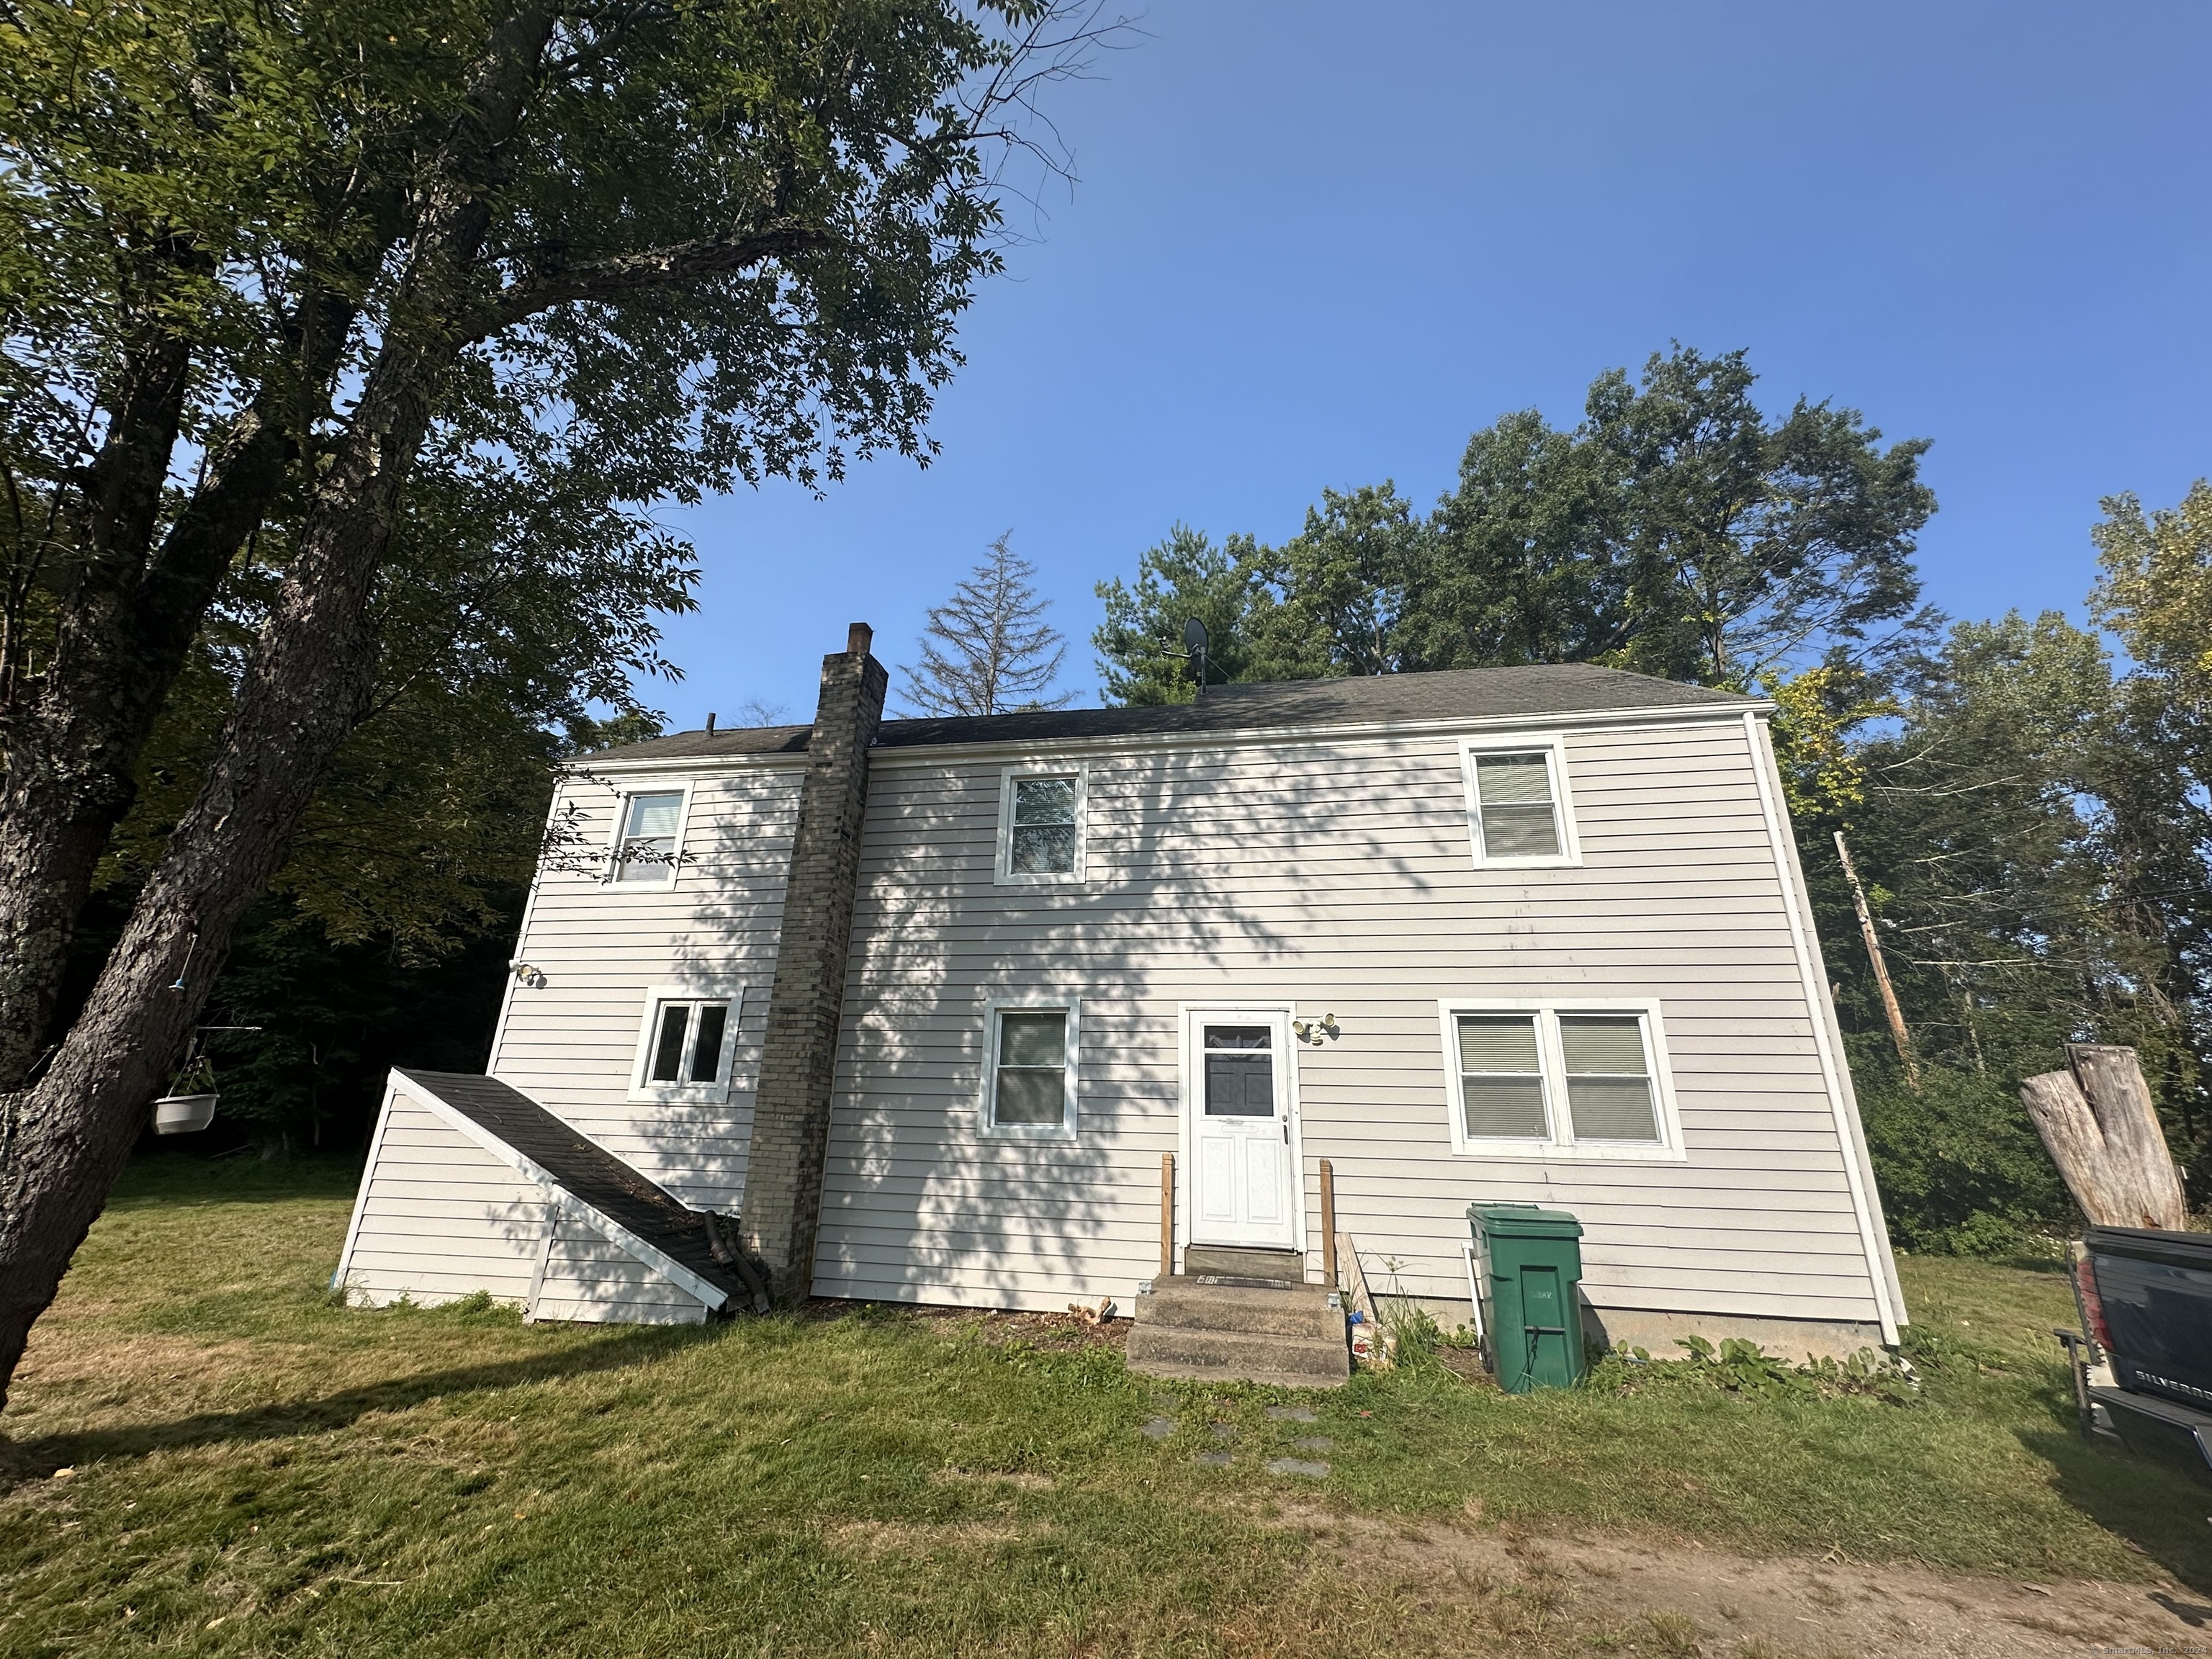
<point>1003,873</point>
<point>986,1124</point>
<point>641,1085</point>
<point>1552,747</point>
<point>1557,1112</point>
<point>623,796</point>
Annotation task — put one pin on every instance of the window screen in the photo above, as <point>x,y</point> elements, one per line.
<point>1501,1077</point>
<point>1240,1072</point>
<point>1513,794</point>
<point>1608,1079</point>
<point>687,1042</point>
<point>1044,828</point>
<point>1031,1085</point>
<point>647,847</point>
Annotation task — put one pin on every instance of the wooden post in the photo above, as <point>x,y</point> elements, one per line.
<point>1167,1215</point>
<point>2098,1122</point>
<point>1328,1224</point>
<point>1897,1031</point>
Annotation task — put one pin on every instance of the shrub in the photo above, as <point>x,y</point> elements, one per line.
<point>1960,1169</point>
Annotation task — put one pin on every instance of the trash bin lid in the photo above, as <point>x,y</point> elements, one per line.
<point>1523,1221</point>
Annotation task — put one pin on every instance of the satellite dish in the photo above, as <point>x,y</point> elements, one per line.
<point>1193,636</point>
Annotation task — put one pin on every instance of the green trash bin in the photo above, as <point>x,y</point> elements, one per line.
<point>1528,1264</point>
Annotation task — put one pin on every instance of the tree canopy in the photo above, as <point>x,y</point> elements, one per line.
<point>1678,531</point>
<point>342,349</point>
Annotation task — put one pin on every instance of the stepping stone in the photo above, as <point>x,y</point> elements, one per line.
<point>1291,1414</point>
<point>1314,1443</point>
<point>1292,1465</point>
<point>1225,1431</point>
<point>1215,1460</point>
<point>1158,1429</point>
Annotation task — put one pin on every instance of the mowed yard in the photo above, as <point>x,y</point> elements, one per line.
<point>205,1455</point>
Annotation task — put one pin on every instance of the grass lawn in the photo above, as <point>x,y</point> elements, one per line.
<point>253,1470</point>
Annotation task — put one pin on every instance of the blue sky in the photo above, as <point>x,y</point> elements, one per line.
<point>1320,245</point>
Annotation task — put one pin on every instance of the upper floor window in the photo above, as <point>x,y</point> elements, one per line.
<point>1029,1085</point>
<point>648,838</point>
<point>1518,807</point>
<point>1041,828</point>
<point>687,1041</point>
<point>1576,1080</point>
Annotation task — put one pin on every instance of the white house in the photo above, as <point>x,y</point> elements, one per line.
<point>921,1004</point>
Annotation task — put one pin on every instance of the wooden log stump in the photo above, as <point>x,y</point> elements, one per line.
<point>2099,1124</point>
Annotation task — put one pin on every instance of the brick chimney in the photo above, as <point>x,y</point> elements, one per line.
<point>782,1205</point>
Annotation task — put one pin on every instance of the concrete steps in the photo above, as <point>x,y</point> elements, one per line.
<point>1198,1326</point>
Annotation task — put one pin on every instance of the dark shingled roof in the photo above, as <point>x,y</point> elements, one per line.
<point>585,1168</point>
<point>1452,694</point>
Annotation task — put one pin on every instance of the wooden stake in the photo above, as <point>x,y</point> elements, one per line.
<point>1167,1215</point>
<point>2098,1122</point>
<point>1328,1224</point>
<point>1897,1031</point>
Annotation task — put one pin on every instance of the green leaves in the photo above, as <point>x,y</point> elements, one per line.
<point>1677,532</point>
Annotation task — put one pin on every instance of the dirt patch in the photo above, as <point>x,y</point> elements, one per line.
<point>1052,1331</point>
<point>1677,1597</point>
<point>874,1538</point>
<point>1026,1479</point>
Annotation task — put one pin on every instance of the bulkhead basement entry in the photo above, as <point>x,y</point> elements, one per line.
<point>472,1186</point>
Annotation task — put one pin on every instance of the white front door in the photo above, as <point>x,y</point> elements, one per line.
<point>1244,1182</point>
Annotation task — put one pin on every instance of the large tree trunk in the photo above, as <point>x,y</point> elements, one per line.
<point>64,1139</point>
<point>126,626</point>
<point>2102,1131</point>
<point>63,791</point>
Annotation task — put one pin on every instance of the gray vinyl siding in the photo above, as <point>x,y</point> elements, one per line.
<point>1337,875</point>
<point>588,1278</point>
<point>439,1217</point>
<point>571,1044</point>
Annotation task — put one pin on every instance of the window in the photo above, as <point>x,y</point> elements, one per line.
<point>1028,1086</point>
<point>1571,1080</point>
<point>1041,826</point>
<point>648,839</point>
<point>685,1045</point>
<point>1608,1083</point>
<point>1240,1072</point>
<point>1501,1077</point>
<point>1516,803</point>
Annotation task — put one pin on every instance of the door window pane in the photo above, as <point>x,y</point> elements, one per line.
<point>1519,818</point>
<point>1608,1080</point>
<point>648,836</point>
<point>1501,1077</point>
<point>1044,828</point>
<point>1240,1072</point>
<point>1031,1085</point>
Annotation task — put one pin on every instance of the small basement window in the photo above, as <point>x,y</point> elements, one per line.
<point>1029,1088</point>
<point>1573,1081</point>
<point>1041,826</point>
<point>684,1048</point>
<point>1517,804</point>
<point>647,848</point>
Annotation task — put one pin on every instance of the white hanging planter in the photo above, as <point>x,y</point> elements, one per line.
<point>183,1114</point>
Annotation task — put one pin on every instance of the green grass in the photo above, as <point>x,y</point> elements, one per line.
<point>255,1470</point>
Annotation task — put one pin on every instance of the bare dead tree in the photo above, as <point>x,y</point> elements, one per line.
<point>988,650</point>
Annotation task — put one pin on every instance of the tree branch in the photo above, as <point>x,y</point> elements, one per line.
<point>658,267</point>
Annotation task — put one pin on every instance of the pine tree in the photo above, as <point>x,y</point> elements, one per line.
<point>988,650</point>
